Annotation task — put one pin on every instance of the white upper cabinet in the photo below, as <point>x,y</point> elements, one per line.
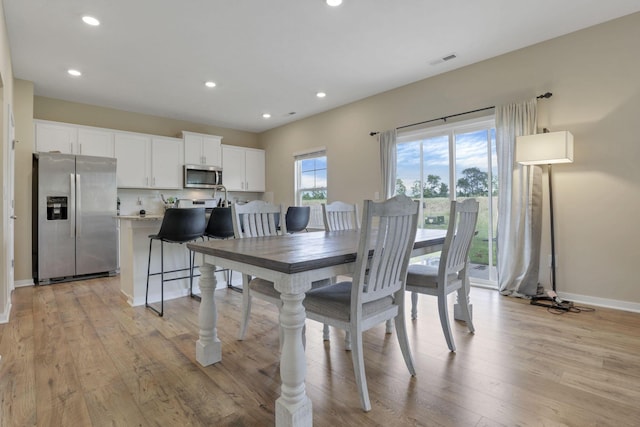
<point>166,162</point>
<point>243,169</point>
<point>254,170</point>
<point>133,152</point>
<point>73,139</point>
<point>201,149</point>
<point>95,142</point>
<point>52,136</point>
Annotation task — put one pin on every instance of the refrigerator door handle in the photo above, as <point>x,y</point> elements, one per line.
<point>78,206</point>
<point>72,200</point>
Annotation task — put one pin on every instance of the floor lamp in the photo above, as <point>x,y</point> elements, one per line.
<point>546,148</point>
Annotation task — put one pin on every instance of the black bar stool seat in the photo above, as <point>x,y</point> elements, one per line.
<point>220,226</point>
<point>297,218</point>
<point>178,226</point>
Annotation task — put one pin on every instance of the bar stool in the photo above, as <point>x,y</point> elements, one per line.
<point>178,226</point>
<point>219,226</point>
<point>297,218</point>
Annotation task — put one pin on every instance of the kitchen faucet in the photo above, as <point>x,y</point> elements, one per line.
<point>222,187</point>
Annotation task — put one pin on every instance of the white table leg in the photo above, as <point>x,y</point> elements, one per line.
<point>293,407</point>
<point>208,347</point>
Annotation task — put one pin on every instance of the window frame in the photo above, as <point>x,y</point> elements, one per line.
<point>452,130</point>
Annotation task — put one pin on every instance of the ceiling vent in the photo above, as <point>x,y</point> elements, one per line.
<point>443,59</point>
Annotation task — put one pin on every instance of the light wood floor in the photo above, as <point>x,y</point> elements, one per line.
<point>76,354</point>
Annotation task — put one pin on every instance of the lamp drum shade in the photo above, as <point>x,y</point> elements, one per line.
<point>545,148</point>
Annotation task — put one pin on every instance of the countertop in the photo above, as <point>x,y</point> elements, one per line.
<point>148,217</point>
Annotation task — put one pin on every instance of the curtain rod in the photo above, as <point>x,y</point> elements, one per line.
<point>444,118</point>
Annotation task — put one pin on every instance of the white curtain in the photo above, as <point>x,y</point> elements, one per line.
<point>388,162</point>
<point>519,203</point>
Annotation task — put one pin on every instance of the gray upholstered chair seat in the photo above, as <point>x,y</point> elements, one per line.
<point>335,300</point>
<point>425,276</point>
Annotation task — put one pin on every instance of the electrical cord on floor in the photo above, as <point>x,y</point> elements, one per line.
<point>555,305</point>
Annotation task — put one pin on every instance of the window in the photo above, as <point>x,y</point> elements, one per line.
<point>454,162</point>
<point>311,184</point>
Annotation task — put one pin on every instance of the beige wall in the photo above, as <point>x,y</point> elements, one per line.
<point>593,75</point>
<point>23,112</point>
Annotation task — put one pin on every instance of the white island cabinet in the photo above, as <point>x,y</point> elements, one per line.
<point>243,169</point>
<point>134,253</point>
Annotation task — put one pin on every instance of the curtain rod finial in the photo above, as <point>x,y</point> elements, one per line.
<point>373,133</point>
<point>546,95</point>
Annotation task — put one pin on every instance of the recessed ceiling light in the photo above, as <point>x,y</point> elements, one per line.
<point>90,20</point>
<point>266,115</point>
<point>334,2</point>
<point>210,84</point>
<point>321,94</point>
<point>74,73</point>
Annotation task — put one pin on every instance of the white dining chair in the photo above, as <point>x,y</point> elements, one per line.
<point>451,273</point>
<point>339,216</point>
<point>256,219</point>
<point>259,219</point>
<point>376,292</point>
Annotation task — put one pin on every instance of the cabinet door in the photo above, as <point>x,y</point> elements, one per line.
<point>166,162</point>
<point>95,142</point>
<point>233,168</point>
<point>134,158</point>
<point>212,150</point>
<point>56,137</point>
<point>254,170</point>
<point>192,149</point>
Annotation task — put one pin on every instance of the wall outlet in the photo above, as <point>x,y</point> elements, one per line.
<point>376,195</point>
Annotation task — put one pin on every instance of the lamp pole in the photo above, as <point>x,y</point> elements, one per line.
<point>553,245</point>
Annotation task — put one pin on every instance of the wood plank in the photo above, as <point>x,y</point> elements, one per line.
<point>77,354</point>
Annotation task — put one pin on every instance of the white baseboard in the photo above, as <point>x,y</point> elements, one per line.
<point>581,299</point>
<point>22,283</point>
<point>601,302</point>
<point>4,315</point>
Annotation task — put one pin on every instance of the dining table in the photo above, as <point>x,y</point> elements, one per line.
<point>292,262</point>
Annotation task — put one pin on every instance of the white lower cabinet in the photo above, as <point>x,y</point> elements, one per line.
<point>243,169</point>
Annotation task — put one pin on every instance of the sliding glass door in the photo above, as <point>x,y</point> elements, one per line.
<point>454,162</point>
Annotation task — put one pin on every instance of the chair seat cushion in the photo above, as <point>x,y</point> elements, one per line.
<point>425,276</point>
<point>335,301</point>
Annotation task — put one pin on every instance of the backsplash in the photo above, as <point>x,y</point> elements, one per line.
<point>133,200</point>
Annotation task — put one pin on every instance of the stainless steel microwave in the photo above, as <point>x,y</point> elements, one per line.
<point>201,176</point>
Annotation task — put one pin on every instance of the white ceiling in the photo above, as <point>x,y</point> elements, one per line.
<point>153,56</point>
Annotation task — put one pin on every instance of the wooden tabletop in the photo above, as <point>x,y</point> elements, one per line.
<point>298,252</point>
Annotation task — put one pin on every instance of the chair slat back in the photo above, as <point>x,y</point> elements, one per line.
<point>386,240</point>
<point>257,219</point>
<point>339,216</point>
<point>463,218</point>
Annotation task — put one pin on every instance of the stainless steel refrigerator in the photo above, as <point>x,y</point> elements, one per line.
<point>74,217</point>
